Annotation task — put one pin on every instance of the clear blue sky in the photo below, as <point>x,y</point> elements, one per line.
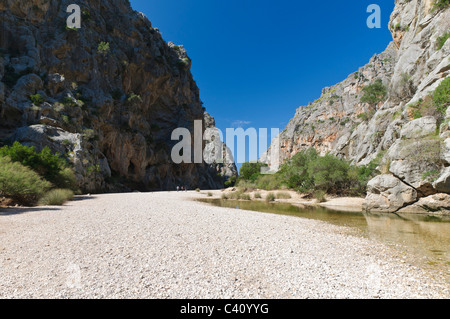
<point>257,61</point>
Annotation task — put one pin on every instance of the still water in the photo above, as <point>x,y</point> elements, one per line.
<point>425,236</point>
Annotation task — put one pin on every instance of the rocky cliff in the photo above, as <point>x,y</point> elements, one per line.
<point>107,96</point>
<point>401,130</point>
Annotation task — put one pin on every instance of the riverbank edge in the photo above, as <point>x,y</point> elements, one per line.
<point>337,203</point>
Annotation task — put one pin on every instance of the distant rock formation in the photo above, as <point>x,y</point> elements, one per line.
<point>414,150</point>
<point>106,96</point>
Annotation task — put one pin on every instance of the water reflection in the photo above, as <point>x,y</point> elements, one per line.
<point>423,235</point>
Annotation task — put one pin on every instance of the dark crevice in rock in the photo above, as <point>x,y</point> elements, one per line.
<point>404,206</point>
<point>410,203</point>
<point>420,194</point>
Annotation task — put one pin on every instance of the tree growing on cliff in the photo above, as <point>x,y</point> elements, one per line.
<point>441,4</point>
<point>374,93</point>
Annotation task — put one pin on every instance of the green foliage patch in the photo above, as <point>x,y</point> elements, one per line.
<point>308,172</point>
<point>21,183</point>
<point>49,166</point>
<point>374,93</point>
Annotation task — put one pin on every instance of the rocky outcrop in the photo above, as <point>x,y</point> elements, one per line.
<point>223,160</point>
<point>438,204</point>
<point>338,122</point>
<point>414,149</point>
<point>106,96</point>
<point>388,193</point>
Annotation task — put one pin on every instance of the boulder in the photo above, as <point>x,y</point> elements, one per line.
<point>442,184</point>
<point>387,194</point>
<point>438,204</point>
<point>419,128</point>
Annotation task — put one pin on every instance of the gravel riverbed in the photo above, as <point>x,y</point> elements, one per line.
<point>164,245</point>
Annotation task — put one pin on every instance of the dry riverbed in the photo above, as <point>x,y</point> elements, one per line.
<point>164,245</point>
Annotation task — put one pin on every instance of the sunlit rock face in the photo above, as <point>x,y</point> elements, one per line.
<point>414,151</point>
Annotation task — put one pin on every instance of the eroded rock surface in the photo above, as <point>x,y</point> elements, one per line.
<point>414,148</point>
<point>111,94</point>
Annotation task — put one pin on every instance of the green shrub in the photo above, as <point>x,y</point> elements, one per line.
<point>250,171</point>
<point>20,183</point>
<point>56,197</point>
<point>197,190</point>
<point>430,176</point>
<point>363,117</point>
<point>441,4</point>
<point>258,195</point>
<point>103,47</point>
<point>183,63</point>
<point>245,186</point>
<point>231,182</point>
<point>423,107</point>
<point>224,196</point>
<point>133,99</point>
<point>49,166</point>
<point>374,93</point>
<point>329,173</point>
<point>268,182</point>
<point>210,194</point>
<point>283,195</point>
<point>270,197</point>
<point>37,99</point>
<point>294,173</point>
<point>442,39</point>
<point>236,195</point>
<point>435,104</point>
<point>66,179</point>
<point>307,172</point>
<point>245,196</point>
<point>320,196</point>
<point>441,96</point>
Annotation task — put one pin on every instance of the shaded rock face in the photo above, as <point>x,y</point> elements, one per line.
<point>416,152</point>
<point>113,90</point>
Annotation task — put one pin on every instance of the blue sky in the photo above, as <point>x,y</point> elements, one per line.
<point>257,61</point>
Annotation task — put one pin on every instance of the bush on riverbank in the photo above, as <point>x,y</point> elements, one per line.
<point>308,172</point>
<point>49,166</point>
<point>20,183</point>
<point>27,175</point>
<point>56,197</point>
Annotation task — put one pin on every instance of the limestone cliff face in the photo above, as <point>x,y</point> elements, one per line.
<point>333,122</point>
<point>106,96</point>
<point>411,68</point>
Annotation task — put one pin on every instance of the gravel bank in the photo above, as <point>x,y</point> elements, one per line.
<point>161,245</point>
